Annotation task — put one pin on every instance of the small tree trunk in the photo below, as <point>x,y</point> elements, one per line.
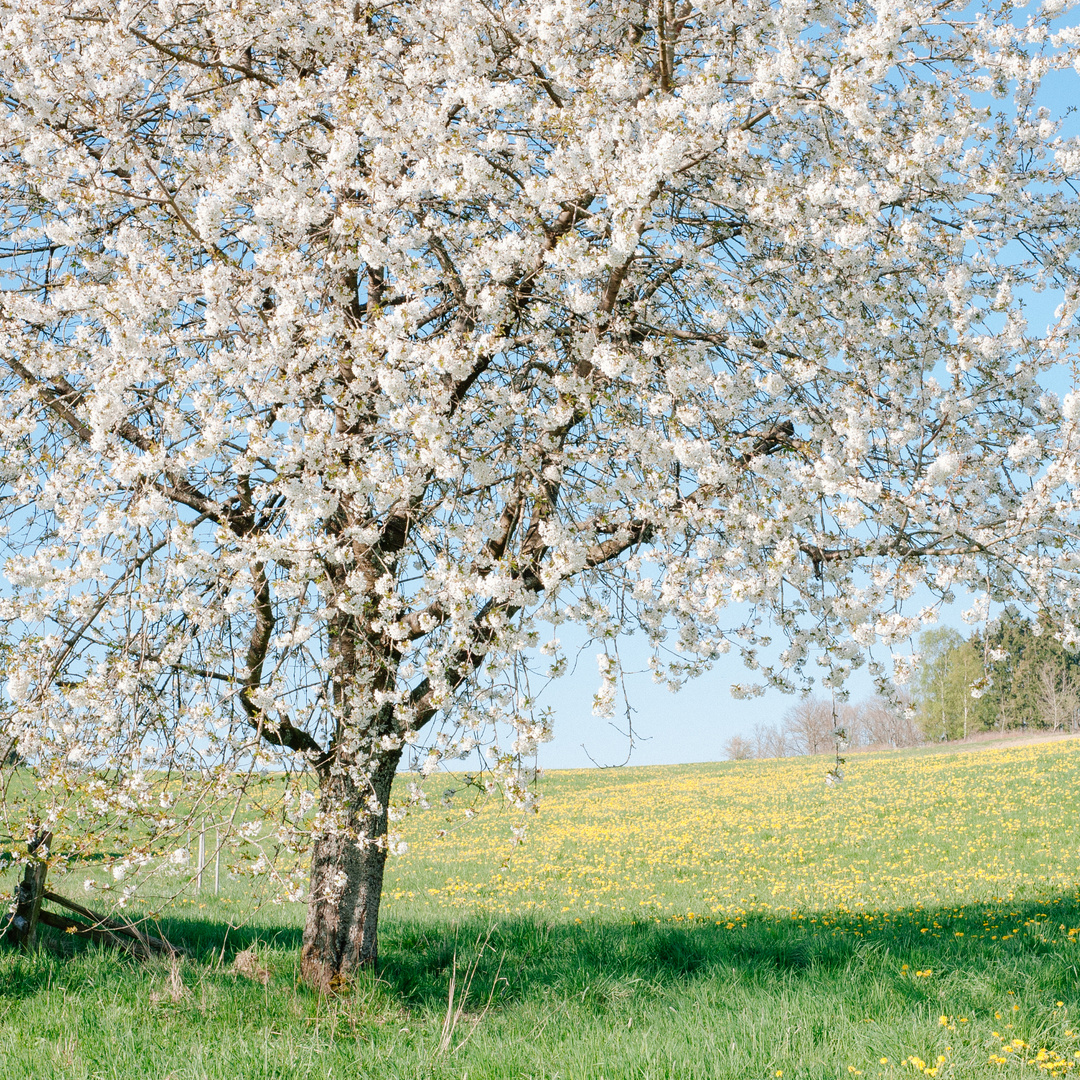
<point>28,896</point>
<point>341,932</point>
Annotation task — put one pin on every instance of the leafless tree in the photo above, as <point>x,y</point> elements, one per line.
<point>809,725</point>
<point>738,748</point>
<point>771,741</point>
<point>1057,696</point>
<point>888,723</point>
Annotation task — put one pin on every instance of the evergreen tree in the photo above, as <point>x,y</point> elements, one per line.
<point>1019,657</point>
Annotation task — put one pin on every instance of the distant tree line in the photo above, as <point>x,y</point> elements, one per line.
<point>811,725</point>
<point>1015,675</point>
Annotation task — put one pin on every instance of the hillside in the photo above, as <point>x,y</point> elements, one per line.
<point>704,921</point>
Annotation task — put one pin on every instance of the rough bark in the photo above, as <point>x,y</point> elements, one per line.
<point>9,751</point>
<point>341,931</point>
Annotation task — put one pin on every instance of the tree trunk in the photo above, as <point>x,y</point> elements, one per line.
<point>341,932</point>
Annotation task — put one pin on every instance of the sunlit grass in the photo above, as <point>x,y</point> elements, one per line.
<point>714,841</point>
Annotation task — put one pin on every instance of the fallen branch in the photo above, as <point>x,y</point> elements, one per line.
<point>102,935</point>
<point>104,926</point>
<point>28,912</point>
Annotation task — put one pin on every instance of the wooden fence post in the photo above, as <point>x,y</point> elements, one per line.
<point>202,857</point>
<point>31,889</point>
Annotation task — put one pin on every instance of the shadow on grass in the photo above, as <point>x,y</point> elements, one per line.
<point>61,959</point>
<point>206,940</point>
<point>912,953</point>
<point>915,950</point>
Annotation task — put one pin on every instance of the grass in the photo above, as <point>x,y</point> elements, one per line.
<point>736,920</point>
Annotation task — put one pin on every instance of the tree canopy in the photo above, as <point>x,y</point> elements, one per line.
<point>347,348</point>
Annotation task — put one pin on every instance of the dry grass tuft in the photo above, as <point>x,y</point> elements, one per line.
<point>248,965</point>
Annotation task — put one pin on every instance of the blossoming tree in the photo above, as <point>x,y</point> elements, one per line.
<point>347,347</point>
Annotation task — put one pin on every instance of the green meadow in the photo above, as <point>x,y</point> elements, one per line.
<point>743,919</point>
